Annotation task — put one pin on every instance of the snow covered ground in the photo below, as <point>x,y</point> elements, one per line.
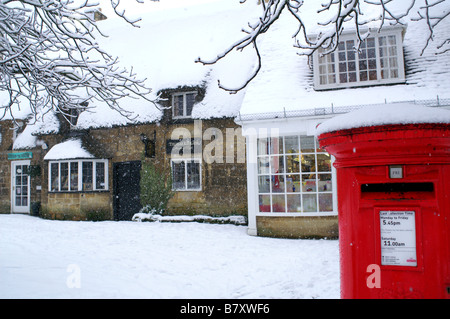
<point>64,259</point>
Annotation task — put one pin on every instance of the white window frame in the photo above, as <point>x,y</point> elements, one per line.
<point>186,160</point>
<point>184,94</point>
<point>284,174</point>
<point>80,175</point>
<point>393,31</point>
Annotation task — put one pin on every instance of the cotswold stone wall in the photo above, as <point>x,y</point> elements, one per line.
<point>223,174</point>
<point>298,227</point>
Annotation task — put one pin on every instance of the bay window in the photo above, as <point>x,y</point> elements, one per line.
<point>294,175</point>
<point>78,175</point>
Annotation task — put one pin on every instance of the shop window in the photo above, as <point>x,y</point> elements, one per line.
<point>294,175</point>
<point>78,175</point>
<point>379,60</point>
<point>182,104</point>
<point>186,174</point>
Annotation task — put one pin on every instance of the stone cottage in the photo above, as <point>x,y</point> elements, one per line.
<point>86,164</point>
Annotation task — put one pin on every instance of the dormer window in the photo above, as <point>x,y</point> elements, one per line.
<point>378,61</point>
<point>182,104</point>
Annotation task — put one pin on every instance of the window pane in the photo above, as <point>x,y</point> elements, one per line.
<point>325,184</point>
<point>293,183</point>
<point>307,144</point>
<point>325,202</point>
<point>74,176</point>
<point>278,184</point>
<point>100,175</point>
<point>278,204</point>
<point>178,105</point>
<point>363,76</point>
<point>309,203</point>
<point>264,184</point>
<point>87,176</point>
<point>349,45</point>
<point>292,164</point>
<point>276,145</point>
<point>64,176</point>
<point>323,163</point>
<point>190,100</point>
<point>263,165</point>
<point>264,203</point>
<point>294,203</point>
<point>277,164</point>
<point>193,175</point>
<point>291,144</point>
<point>362,65</point>
<point>308,163</point>
<point>308,183</point>
<point>263,146</point>
<point>54,177</point>
<point>178,175</point>
<point>352,77</point>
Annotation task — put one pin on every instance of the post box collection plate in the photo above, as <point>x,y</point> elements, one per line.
<point>398,238</point>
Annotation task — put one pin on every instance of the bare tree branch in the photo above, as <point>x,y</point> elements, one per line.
<point>49,58</point>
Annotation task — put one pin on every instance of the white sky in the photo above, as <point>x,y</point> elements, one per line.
<point>132,7</point>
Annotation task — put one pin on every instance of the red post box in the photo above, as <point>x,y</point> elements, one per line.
<point>393,184</point>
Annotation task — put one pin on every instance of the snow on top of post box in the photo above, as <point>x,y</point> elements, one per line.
<point>385,114</point>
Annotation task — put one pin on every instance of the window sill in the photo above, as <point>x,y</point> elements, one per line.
<point>79,192</point>
<point>309,214</point>
<point>187,190</point>
<point>356,85</point>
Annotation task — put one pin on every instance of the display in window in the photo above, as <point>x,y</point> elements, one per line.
<point>309,202</point>
<point>277,183</point>
<point>293,183</point>
<point>264,203</point>
<point>294,204</point>
<point>278,204</point>
<point>294,176</point>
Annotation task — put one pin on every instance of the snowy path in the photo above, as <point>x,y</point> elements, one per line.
<point>159,260</point>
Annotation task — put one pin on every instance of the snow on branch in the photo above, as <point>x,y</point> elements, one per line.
<point>49,58</point>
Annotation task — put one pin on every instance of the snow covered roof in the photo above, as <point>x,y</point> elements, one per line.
<point>402,113</point>
<point>164,50</point>
<point>285,82</point>
<point>70,149</point>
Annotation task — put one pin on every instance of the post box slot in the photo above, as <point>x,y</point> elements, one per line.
<point>397,187</point>
<point>397,190</point>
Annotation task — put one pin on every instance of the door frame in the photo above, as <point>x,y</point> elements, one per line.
<point>19,209</point>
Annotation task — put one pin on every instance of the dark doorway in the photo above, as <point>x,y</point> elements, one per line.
<point>127,176</point>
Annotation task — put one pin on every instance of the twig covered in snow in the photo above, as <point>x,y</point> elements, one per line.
<point>49,59</point>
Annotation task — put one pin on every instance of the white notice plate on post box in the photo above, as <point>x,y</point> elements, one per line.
<point>398,238</point>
